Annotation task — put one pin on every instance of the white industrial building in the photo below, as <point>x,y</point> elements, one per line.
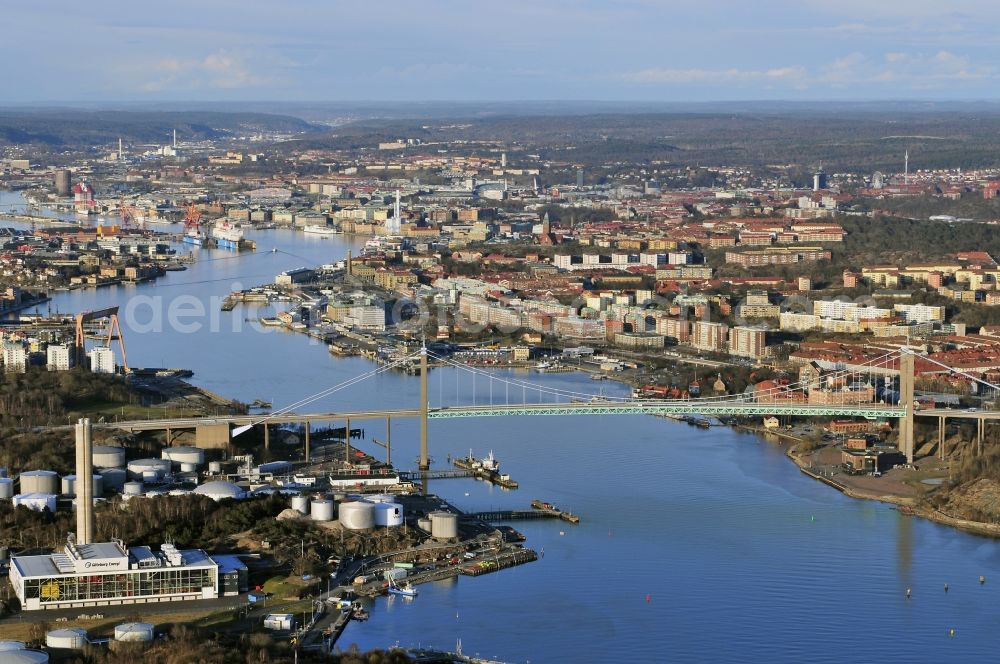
<point>108,573</point>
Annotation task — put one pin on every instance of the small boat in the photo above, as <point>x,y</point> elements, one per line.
<point>542,366</point>
<point>405,590</point>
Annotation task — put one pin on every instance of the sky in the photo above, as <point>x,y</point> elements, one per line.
<point>468,50</point>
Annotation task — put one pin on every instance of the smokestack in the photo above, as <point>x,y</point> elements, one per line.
<point>121,153</point>
<point>347,265</point>
<point>84,483</point>
<point>175,138</point>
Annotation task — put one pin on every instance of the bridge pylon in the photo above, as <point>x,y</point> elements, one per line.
<point>906,379</point>
<point>425,461</point>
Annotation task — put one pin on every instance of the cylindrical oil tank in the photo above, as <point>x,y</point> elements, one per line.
<point>424,524</point>
<point>380,498</point>
<point>6,488</point>
<point>132,489</point>
<point>193,455</point>
<point>36,501</point>
<point>444,525</point>
<point>3,473</point>
<point>300,504</point>
<point>7,646</point>
<point>187,467</point>
<point>357,515</point>
<point>215,467</point>
<point>150,470</point>
<point>134,631</point>
<point>388,514</point>
<point>107,456</point>
<point>275,467</point>
<point>322,510</point>
<point>114,479</point>
<point>40,481</point>
<point>71,638</point>
<point>69,485</point>
<point>24,657</point>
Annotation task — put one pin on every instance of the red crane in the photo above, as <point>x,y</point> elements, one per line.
<point>192,216</point>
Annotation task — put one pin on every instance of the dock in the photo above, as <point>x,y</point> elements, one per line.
<point>549,508</point>
<point>501,561</point>
<point>476,469</point>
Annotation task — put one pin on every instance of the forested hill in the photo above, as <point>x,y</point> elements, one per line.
<point>80,128</point>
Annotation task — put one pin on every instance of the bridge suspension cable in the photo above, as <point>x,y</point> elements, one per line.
<point>327,392</point>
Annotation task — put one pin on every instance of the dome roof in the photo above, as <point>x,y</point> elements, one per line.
<point>219,490</point>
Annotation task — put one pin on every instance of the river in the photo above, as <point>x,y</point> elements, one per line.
<point>694,544</point>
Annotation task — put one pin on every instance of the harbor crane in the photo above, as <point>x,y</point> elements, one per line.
<point>114,326</point>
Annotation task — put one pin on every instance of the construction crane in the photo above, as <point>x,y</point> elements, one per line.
<point>110,313</point>
<point>129,213</point>
<point>192,217</point>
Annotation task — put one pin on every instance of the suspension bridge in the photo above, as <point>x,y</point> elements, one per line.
<point>881,387</point>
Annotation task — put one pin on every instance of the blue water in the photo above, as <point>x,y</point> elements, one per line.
<point>694,545</point>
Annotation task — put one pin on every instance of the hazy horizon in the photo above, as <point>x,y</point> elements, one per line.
<point>639,51</point>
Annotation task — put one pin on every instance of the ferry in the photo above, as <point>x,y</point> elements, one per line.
<point>320,230</point>
<point>227,234</point>
<point>194,237</point>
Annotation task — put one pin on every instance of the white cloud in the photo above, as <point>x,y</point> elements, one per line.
<point>216,70</point>
<point>657,75</point>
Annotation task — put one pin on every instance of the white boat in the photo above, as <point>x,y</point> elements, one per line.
<point>542,366</point>
<point>406,590</point>
<point>320,230</point>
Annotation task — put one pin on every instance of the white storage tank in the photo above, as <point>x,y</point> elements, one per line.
<point>40,481</point>
<point>149,470</point>
<point>132,489</point>
<point>380,498</point>
<point>219,490</point>
<point>424,524</point>
<point>70,638</point>
<point>134,631</point>
<point>444,525</point>
<point>6,488</point>
<point>388,514</point>
<point>187,467</point>
<point>215,467</point>
<point>24,657</point>
<point>182,454</point>
<point>300,503</point>
<point>36,501</point>
<point>69,485</point>
<point>114,479</point>
<point>107,456</point>
<point>322,510</point>
<point>357,515</point>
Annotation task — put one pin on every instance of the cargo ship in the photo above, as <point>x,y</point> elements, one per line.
<point>227,235</point>
<point>194,237</point>
<point>320,230</point>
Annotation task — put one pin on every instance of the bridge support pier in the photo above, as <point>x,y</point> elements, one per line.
<point>307,440</point>
<point>941,438</point>
<point>388,441</point>
<point>906,400</point>
<point>347,440</point>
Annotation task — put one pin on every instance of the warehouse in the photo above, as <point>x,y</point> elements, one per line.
<point>108,573</point>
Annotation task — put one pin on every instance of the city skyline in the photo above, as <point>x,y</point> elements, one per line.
<point>635,50</point>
